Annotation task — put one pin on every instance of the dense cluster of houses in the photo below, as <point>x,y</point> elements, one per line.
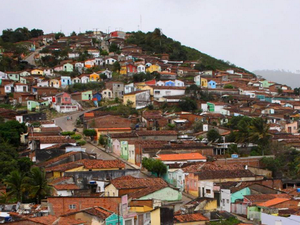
<point>89,190</point>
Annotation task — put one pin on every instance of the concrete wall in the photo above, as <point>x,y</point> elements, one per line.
<point>82,179</point>
<point>165,194</point>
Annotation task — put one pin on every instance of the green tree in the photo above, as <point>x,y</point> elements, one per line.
<point>73,33</point>
<point>36,33</point>
<point>228,86</point>
<point>59,35</point>
<point>15,184</point>
<point>259,133</point>
<point>37,185</point>
<point>197,126</point>
<point>155,166</point>
<point>187,104</point>
<point>113,48</point>
<point>213,136</point>
<point>24,164</point>
<point>116,66</point>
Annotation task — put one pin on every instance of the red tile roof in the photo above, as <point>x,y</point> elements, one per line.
<point>181,156</point>
<point>52,139</point>
<point>190,218</point>
<point>274,201</point>
<point>66,187</point>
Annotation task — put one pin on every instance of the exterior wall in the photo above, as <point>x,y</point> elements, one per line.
<point>292,127</point>
<point>68,67</point>
<point>155,216</point>
<point>278,220</point>
<point>107,94</point>
<point>203,82</point>
<point>130,98</point>
<point>165,194</point>
<point>116,147</point>
<point>65,81</point>
<point>225,202</point>
<point>239,195</point>
<point>86,96</point>
<point>142,100</point>
<point>131,154</point>
<point>197,80</point>
<point>191,184</point>
<point>114,219</point>
<point>54,83</point>
<point>76,80</point>
<point>176,178</point>
<point>110,190</point>
<point>206,189</point>
<point>159,93</point>
<point>94,77</point>
<point>85,79</point>
<point>153,68</point>
<point>61,205</point>
<point>20,88</point>
<point>124,149</point>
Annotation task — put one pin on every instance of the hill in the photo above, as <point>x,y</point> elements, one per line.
<point>157,43</point>
<point>280,76</point>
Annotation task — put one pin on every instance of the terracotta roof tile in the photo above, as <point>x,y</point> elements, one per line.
<point>66,187</point>
<point>265,197</point>
<point>274,201</point>
<point>182,156</point>
<point>52,139</point>
<point>98,212</point>
<point>102,164</point>
<point>190,218</point>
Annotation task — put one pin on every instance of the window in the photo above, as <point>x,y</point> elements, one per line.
<point>227,201</point>
<point>147,215</point>
<point>208,191</point>
<point>156,92</point>
<point>73,206</point>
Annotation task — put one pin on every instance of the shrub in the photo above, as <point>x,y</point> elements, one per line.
<point>67,133</point>
<point>76,136</point>
<point>81,142</point>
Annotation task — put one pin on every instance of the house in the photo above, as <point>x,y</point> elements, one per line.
<point>76,80</point>
<point>163,91</point>
<point>203,82</point>
<point>212,84</point>
<point>181,158</point>
<point>128,69</point>
<point>141,68</point>
<point>109,124</point>
<point>79,66</point>
<point>68,67</point>
<point>142,188</point>
<point>58,68</point>
<point>19,87</point>
<point>34,106</point>
<point>54,83</point>
<point>83,96</point>
<point>110,61</point>
<point>73,55</point>
<point>37,72</point>
<point>128,88</point>
<point>94,77</point>
<point>85,78</point>
<point>23,74</point>
<point>116,87</point>
<point>48,72</point>
<point>153,68</point>
<point>212,172</point>
<point>89,63</point>
<point>140,99</point>
<point>197,80</point>
<point>214,107</point>
<point>107,73</point>
<point>65,81</point>
<point>97,96</point>
<point>63,99</point>
<point>64,189</point>
<point>107,94</point>
<point>15,76</point>
<point>43,83</point>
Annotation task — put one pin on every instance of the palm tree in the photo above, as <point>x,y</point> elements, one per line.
<point>37,185</point>
<point>259,133</point>
<point>15,184</point>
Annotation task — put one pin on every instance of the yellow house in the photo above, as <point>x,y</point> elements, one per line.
<point>37,72</point>
<point>94,77</point>
<point>203,82</point>
<point>130,97</point>
<point>143,206</point>
<point>123,70</point>
<point>153,68</point>
<point>147,88</point>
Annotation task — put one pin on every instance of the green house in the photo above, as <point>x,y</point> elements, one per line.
<point>210,107</point>
<point>35,106</point>
<point>164,194</point>
<point>124,150</point>
<point>23,80</point>
<point>68,67</point>
<point>86,95</point>
<point>265,83</point>
<point>13,76</point>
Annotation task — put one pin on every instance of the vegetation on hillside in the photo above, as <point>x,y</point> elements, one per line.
<point>157,43</point>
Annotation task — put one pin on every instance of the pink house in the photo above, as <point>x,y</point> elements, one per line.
<point>63,99</point>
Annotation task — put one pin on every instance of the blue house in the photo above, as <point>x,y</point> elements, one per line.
<point>170,83</point>
<point>98,96</point>
<point>65,81</point>
<point>212,84</point>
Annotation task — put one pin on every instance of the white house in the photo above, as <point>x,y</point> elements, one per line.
<point>128,88</point>
<point>110,61</point>
<point>89,63</point>
<point>43,83</point>
<point>79,66</point>
<point>108,73</point>
<point>76,80</point>
<point>197,80</point>
<point>99,61</point>
<point>48,72</point>
<point>179,83</point>
<point>73,55</point>
<point>9,88</point>
<point>85,78</point>
<point>161,91</point>
<point>22,74</point>
<point>19,87</point>
<point>107,94</point>
<point>160,83</point>
<point>141,68</point>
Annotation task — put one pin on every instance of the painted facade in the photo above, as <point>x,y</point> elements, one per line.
<point>68,67</point>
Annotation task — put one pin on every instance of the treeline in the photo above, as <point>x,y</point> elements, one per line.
<point>157,43</point>
<point>20,34</point>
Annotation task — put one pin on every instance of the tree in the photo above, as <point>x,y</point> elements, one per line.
<point>259,133</point>
<point>15,184</point>
<point>37,185</point>
<point>213,136</point>
<point>116,66</point>
<point>59,35</point>
<point>73,33</point>
<point>90,133</point>
<point>187,104</point>
<point>113,48</point>
<point>228,86</point>
<point>297,91</point>
<point>197,126</point>
<point>36,33</point>
<point>155,166</point>
<point>24,164</point>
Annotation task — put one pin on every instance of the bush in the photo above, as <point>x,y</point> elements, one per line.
<point>90,132</point>
<point>155,166</point>
<point>67,133</point>
<point>76,136</point>
<point>81,142</point>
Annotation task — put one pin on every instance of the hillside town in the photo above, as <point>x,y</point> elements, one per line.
<point>97,129</point>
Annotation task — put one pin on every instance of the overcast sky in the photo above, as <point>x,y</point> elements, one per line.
<point>254,34</point>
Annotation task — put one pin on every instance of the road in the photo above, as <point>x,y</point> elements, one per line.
<point>30,57</point>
